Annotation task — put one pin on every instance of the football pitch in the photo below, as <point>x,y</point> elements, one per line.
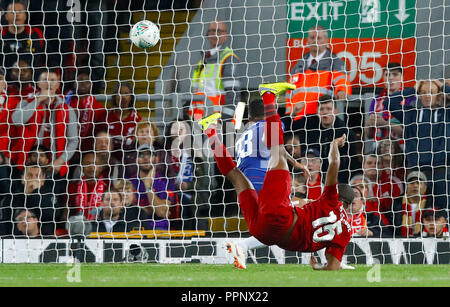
<point>207,275</point>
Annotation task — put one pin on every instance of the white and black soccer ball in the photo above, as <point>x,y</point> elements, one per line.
<point>144,34</point>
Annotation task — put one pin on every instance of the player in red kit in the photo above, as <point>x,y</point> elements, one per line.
<point>269,215</point>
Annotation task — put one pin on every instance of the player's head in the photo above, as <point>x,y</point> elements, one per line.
<point>256,110</point>
<point>393,77</point>
<point>346,194</point>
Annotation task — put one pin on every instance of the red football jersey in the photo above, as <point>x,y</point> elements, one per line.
<point>322,223</point>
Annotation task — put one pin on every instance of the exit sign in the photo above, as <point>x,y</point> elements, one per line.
<point>366,34</point>
<point>353,18</point>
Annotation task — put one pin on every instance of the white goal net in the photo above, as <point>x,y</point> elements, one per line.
<point>102,160</point>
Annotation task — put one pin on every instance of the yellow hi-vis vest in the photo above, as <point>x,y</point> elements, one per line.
<point>207,84</point>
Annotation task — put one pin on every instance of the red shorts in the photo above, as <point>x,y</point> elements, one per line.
<point>269,215</point>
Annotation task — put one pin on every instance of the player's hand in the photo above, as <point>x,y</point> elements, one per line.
<point>340,141</point>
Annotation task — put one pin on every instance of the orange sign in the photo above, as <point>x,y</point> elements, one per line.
<point>365,57</point>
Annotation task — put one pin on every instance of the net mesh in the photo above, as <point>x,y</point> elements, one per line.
<point>99,141</point>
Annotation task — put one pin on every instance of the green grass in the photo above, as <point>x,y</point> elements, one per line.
<point>205,275</point>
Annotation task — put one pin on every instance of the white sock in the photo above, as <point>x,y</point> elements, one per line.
<point>251,243</point>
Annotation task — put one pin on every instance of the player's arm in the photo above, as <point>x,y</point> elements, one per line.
<point>334,161</point>
<point>333,264</point>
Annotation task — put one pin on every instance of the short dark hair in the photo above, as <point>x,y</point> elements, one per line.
<point>394,66</point>
<point>346,194</point>
<point>84,71</point>
<point>256,109</point>
<point>326,99</point>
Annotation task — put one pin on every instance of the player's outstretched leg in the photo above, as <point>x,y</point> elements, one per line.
<point>223,158</point>
<point>273,129</point>
<point>247,196</point>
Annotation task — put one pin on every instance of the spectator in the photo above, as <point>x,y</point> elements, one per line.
<point>122,118</point>
<point>429,93</point>
<point>425,134</point>
<point>19,39</point>
<point>154,193</point>
<point>132,209</point>
<point>191,173</point>
<point>26,224</point>
<point>45,120</point>
<point>292,145</point>
<point>39,195</point>
<point>319,72</point>
<point>3,87</point>
<point>40,155</point>
<point>434,224</point>
<point>90,33</point>
<point>111,216</point>
<point>20,87</point>
<point>89,111</point>
<point>146,133</point>
<point>381,124</point>
<point>384,188</point>
<point>408,210</point>
<point>318,131</point>
<point>85,195</point>
<point>217,76</point>
<point>314,185</point>
<point>58,20</point>
<point>361,182</point>
<point>391,158</point>
<point>374,226</point>
<point>20,80</point>
<point>104,148</point>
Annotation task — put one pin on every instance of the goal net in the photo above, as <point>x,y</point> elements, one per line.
<point>102,160</point>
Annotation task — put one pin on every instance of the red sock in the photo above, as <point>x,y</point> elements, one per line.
<point>273,129</point>
<point>223,158</point>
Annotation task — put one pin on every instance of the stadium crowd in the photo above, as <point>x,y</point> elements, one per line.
<point>64,156</point>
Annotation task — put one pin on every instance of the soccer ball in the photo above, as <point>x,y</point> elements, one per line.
<point>144,34</point>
